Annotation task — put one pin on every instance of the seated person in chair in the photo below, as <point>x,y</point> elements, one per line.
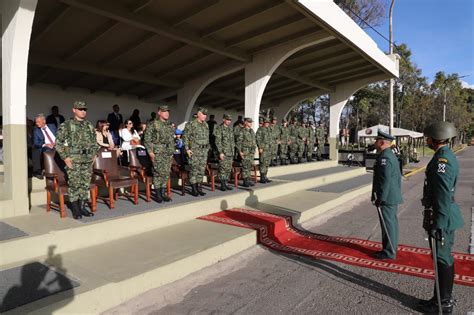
<point>44,138</point>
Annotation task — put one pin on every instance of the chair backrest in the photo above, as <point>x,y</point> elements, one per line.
<point>53,164</point>
<point>107,160</point>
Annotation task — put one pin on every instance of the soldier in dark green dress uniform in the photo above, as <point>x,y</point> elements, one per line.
<point>225,144</point>
<point>77,145</point>
<point>442,214</point>
<point>386,194</point>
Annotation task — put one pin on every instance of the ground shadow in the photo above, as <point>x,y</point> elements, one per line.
<point>35,281</point>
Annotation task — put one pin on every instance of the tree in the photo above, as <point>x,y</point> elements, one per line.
<point>370,11</point>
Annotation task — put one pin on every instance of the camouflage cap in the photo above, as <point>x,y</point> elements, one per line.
<point>248,119</point>
<point>163,108</point>
<point>260,119</point>
<point>274,118</point>
<point>79,104</point>
<point>202,110</point>
<point>266,120</point>
<point>227,117</point>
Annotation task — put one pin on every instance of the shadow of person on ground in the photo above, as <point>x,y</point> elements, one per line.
<point>35,281</point>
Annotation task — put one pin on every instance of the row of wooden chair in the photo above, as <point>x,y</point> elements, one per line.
<point>107,173</point>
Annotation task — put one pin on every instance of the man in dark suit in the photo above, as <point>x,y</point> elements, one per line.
<point>44,139</point>
<point>115,120</point>
<point>55,118</point>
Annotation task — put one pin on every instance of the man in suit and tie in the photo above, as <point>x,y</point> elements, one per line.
<point>44,139</point>
<point>115,120</point>
<point>55,118</point>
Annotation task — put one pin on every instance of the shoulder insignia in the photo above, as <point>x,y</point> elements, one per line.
<point>441,168</point>
<point>442,160</point>
<point>383,161</point>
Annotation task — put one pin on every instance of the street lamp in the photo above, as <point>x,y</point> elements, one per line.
<point>445,98</point>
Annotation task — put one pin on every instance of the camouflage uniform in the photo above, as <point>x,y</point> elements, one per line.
<point>225,144</point>
<point>293,138</point>
<point>196,139</point>
<point>159,139</point>
<point>264,139</point>
<point>284,138</point>
<point>302,134</point>
<point>276,134</point>
<point>77,140</point>
<point>311,141</point>
<point>320,138</point>
<point>246,144</point>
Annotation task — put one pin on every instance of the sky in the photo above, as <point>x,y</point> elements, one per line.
<point>439,33</point>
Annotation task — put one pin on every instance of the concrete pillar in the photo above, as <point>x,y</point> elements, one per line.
<point>17,19</point>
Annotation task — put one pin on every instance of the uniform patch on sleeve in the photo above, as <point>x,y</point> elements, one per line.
<point>441,168</point>
<point>383,162</point>
<point>442,160</point>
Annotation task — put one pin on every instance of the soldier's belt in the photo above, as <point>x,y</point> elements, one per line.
<point>81,151</point>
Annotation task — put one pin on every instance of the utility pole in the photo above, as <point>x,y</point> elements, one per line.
<point>392,81</point>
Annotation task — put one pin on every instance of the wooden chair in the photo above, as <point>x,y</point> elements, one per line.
<point>236,172</point>
<point>212,170</point>
<point>145,173</point>
<point>107,174</point>
<point>181,173</point>
<point>56,182</point>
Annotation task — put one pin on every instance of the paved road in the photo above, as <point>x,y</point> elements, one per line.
<point>262,282</point>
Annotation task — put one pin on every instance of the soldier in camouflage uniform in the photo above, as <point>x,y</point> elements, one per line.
<point>77,145</point>
<point>284,142</point>
<point>293,141</point>
<point>311,141</point>
<point>301,140</point>
<point>196,143</point>
<point>245,145</point>
<point>276,132</point>
<point>264,139</point>
<point>320,139</point>
<point>159,142</point>
<point>225,144</point>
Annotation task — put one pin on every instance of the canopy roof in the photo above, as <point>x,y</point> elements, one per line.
<point>397,132</point>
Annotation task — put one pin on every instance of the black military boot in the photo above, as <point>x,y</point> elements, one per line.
<point>164,195</point>
<point>446,280</point>
<point>76,212</point>
<point>266,179</point>
<point>246,182</point>
<point>263,179</point>
<point>194,191</point>
<point>223,187</point>
<point>83,210</point>
<point>227,186</point>
<point>199,189</point>
<point>158,198</point>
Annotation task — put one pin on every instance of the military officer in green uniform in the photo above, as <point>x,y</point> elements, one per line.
<point>264,138</point>
<point>301,141</point>
<point>387,194</point>
<point>442,214</point>
<point>293,141</point>
<point>160,143</point>
<point>77,145</point>
<point>196,143</point>
<point>284,142</point>
<point>320,140</point>
<point>246,145</point>
<point>311,141</point>
<point>276,133</point>
<point>225,144</point>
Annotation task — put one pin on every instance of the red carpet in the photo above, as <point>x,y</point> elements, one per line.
<point>278,233</point>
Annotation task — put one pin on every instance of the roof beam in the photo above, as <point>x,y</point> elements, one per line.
<point>140,5</point>
<point>327,58</point>
<point>295,92</point>
<point>288,38</point>
<point>49,24</point>
<point>338,68</point>
<point>159,94</point>
<point>316,48</point>
<point>125,49</point>
<point>350,71</point>
<point>327,67</point>
<point>305,80</point>
<point>103,84</point>
<point>157,58</point>
<point>356,76</point>
<point>318,54</point>
<point>241,17</point>
<point>73,80</point>
<point>183,65</point>
<point>150,23</point>
<point>105,71</point>
<point>131,86</point>
<point>289,89</point>
<point>195,11</point>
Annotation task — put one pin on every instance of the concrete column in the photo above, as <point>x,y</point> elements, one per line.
<point>17,19</point>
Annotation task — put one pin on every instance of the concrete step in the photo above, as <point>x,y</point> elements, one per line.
<point>68,235</point>
<point>116,271</point>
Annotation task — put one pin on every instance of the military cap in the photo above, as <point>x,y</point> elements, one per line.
<point>79,105</point>
<point>202,110</point>
<point>163,108</point>
<point>248,119</point>
<point>274,118</point>
<point>266,120</point>
<point>440,130</point>
<point>384,136</point>
<point>227,117</point>
<point>260,119</point>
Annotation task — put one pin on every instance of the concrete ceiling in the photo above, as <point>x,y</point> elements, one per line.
<point>148,48</point>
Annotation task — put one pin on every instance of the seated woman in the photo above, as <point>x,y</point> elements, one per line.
<point>130,139</point>
<point>104,137</point>
<point>179,152</point>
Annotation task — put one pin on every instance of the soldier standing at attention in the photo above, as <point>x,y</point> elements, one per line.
<point>245,145</point>
<point>293,141</point>
<point>311,141</point>
<point>320,139</point>
<point>387,194</point>
<point>301,140</point>
<point>442,215</point>
<point>284,142</point>
<point>225,144</point>
<point>264,138</point>
<point>276,132</point>
<point>77,145</point>
<point>160,143</point>
<point>196,143</point>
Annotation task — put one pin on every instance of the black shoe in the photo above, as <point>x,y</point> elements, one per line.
<point>164,195</point>
<point>382,255</point>
<point>251,183</point>
<point>76,212</point>
<point>267,180</point>
<point>431,306</point>
<point>158,197</point>
<point>83,210</point>
<point>263,179</point>
<point>199,190</point>
<point>319,158</point>
<point>194,191</point>
<point>227,187</point>
<point>246,183</point>
<point>223,187</point>
<point>38,175</point>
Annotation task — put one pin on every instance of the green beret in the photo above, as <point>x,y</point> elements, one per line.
<point>79,104</point>
<point>163,108</point>
<point>227,117</point>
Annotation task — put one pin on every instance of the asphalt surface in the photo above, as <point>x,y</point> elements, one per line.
<point>259,281</point>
